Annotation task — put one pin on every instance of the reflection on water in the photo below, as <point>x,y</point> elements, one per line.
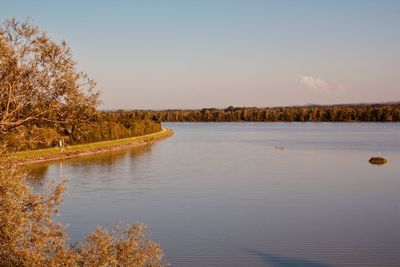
<point>37,171</point>
<point>221,194</point>
<point>103,162</point>
<point>277,261</point>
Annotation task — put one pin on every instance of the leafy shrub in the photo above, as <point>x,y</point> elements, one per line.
<point>30,237</point>
<point>103,130</point>
<point>26,138</point>
<point>35,137</point>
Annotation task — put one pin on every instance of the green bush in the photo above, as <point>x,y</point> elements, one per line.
<point>102,128</point>
<point>110,130</point>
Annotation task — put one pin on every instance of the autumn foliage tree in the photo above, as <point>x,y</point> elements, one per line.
<point>39,82</point>
<point>45,99</point>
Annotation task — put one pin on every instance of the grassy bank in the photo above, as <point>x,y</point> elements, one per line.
<point>56,153</point>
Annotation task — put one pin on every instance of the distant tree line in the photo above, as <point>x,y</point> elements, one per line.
<point>312,113</point>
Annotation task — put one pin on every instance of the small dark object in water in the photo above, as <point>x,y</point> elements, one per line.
<point>377,160</point>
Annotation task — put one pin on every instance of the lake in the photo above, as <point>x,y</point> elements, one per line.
<point>222,194</point>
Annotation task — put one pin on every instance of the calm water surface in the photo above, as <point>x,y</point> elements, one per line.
<point>219,194</point>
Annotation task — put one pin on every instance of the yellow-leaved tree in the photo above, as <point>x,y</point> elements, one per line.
<point>39,82</point>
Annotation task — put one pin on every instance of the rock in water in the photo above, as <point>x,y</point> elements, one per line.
<point>377,160</point>
<point>279,148</point>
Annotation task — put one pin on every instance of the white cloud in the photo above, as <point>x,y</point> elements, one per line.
<point>317,85</point>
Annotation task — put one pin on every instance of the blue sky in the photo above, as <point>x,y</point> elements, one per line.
<point>193,54</point>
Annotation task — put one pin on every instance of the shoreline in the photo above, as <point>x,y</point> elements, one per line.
<point>59,153</point>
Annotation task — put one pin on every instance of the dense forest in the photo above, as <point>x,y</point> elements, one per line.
<point>101,127</point>
<point>311,113</point>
